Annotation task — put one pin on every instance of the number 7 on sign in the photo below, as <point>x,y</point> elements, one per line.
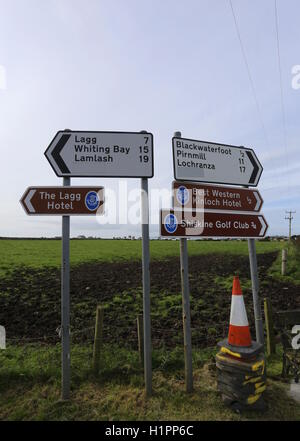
<point>144,149</point>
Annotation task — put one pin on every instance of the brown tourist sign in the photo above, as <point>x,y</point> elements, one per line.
<point>190,195</point>
<point>178,223</point>
<point>63,200</point>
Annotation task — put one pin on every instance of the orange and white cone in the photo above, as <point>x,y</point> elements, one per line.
<point>239,332</point>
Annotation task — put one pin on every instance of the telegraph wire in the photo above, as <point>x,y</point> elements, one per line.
<point>249,73</point>
<point>281,93</point>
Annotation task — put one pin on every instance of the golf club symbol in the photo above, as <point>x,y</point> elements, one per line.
<point>170,223</point>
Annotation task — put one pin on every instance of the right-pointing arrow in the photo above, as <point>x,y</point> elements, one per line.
<point>56,153</point>
<point>258,201</point>
<point>27,201</point>
<point>264,226</point>
<point>255,167</point>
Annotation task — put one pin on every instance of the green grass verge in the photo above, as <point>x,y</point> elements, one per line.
<point>292,268</point>
<point>47,253</point>
<point>30,387</point>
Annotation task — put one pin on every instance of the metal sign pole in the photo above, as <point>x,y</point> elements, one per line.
<point>259,330</point>
<point>146,286</point>
<point>65,302</point>
<point>186,313</point>
<point>255,292</point>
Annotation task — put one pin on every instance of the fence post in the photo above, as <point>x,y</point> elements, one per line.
<point>271,347</point>
<point>98,339</point>
<point>283,262</point>
<point>140,327</point>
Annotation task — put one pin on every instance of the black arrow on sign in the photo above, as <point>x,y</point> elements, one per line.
<point>255,168</point>
<point>56,153</point>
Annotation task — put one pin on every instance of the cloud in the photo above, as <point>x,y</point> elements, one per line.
<point>3,83</point>
<point>135,65</point>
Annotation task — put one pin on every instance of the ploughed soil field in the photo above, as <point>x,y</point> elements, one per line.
<point>30,299</point>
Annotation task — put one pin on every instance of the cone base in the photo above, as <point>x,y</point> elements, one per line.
<point>241,382</point>
<point>240,351</point>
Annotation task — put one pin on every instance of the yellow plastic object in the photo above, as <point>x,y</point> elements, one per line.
<point>228,351</point>
<point>251,380</point>
<point>252,399</point>
<point>259,364</point>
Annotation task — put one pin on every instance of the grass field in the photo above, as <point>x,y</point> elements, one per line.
<point>47,253</point>
<point>30,387</point>
<point>30,308</point>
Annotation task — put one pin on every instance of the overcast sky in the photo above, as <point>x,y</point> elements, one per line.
<point>161,66</point>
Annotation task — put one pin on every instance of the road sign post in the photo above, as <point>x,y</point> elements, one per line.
<point>211,163</point>
<point>65,303</point>
<point>146,286</point>
<point>259,329</point>
<point>112,154</point>
<point>144,149</point>
<point>186,316</point>
<point>202,210</point>
<point>186,313</point>
<point>64,201</point>
<point>94,154</point>
<point>2,337</point>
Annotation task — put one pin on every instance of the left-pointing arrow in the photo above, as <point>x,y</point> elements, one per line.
<point>27,201</point>
<point>57,151</point>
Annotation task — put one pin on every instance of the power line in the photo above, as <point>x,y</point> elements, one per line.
<point>249,73</point>
<point>281,92</point>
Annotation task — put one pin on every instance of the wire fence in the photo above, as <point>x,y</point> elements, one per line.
<point>127,336</point>
<point>119,354</point>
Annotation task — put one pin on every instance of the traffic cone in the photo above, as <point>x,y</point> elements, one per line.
<point>239,343</point>
<point>241,376</point>
<point>239,332</point>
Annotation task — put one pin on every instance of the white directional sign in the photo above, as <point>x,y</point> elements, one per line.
<point>101,154</point>
<point>203,161</point>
